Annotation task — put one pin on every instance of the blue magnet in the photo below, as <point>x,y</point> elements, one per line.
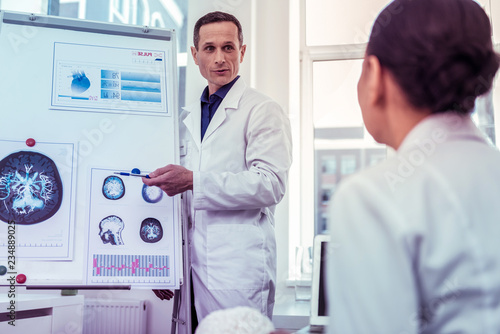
<point>136,171</point>
<point>3,270</point>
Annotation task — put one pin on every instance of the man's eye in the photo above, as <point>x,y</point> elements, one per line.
<point>209,48</point>
<point>228,48</point>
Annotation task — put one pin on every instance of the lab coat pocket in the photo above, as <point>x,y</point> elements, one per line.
<point>235,257</point>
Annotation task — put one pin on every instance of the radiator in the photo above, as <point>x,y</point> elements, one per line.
<point>120,316</point>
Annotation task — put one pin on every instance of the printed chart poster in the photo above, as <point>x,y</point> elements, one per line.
<point>108,79</point>
<point>131,234</point>
<point>37,193</point>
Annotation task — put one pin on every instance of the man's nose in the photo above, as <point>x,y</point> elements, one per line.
<point>219,57</point>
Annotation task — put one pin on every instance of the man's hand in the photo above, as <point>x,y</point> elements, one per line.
<point>164,294</point>
<point>172,179</point>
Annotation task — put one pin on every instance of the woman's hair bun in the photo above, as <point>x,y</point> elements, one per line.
<point>453,81</point>
<point>442,57</point>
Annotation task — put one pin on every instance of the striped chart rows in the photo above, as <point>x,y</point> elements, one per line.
<point>106,265</point>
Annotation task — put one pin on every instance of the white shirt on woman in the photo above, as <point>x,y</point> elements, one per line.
<point>416,239</point>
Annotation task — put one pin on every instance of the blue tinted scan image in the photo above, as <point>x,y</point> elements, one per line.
<point>151,230</point>
<point>110,230</point>
<point>80,82</point>
<point>31,188</point>
<point>113,187</point>
<point>151,194</point>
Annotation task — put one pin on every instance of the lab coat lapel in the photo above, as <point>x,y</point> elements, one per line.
<point>231,101</point>
<point>191,117</point>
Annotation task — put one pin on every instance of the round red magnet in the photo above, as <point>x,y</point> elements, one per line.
<point>30,142</point>
<point>21,278</point>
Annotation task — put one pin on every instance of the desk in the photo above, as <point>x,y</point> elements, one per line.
<point>44,314</point>
<point>307,330</point>
<point>290,314</point>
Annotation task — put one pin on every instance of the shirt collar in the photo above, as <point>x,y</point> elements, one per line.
<point>221,92</point>
<point>441,127</point>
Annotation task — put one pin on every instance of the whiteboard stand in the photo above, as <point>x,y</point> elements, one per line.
<point>181,314</point>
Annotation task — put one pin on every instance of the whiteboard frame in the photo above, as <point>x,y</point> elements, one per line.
<point>86,26</point>
<point>143,32</point>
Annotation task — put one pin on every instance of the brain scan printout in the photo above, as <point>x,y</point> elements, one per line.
<point>113,187</point>
<point>37,190</point>
<point>152,194</point>
<point>110,230</point>
<point>151,230</point>
<point>131,230</point>
<point>30,188</point>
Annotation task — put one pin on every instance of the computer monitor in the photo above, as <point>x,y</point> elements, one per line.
<point>319,310</point>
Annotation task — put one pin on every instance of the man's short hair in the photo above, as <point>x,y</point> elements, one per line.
<point>212,18</point>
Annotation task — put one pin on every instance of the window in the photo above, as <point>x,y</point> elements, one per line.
<point>333,140</point>
<point>342,146</point>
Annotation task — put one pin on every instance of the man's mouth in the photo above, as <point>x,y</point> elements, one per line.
<point>221,71</point>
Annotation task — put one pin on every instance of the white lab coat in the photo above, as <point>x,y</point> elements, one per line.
<point>239,175</point>
<point>415,240</point>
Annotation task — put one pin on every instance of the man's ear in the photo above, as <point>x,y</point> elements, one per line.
<point>194,53</point>
<point>375,81</point>
<point>242,52</point>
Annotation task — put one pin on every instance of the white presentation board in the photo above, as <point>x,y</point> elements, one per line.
<point>82,105</point>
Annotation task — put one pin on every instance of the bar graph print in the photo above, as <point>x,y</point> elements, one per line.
<point>107,265</point>
<point>130,86</point>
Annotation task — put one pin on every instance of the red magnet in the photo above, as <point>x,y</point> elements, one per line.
<point>30,142</point>
<point>21,278</point>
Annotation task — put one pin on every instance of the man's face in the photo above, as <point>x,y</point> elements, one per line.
<point>219,54</point>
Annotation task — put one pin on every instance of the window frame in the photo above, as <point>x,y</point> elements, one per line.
<point>302,198</point>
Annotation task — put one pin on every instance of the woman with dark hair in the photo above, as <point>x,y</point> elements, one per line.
<point>415,239</point>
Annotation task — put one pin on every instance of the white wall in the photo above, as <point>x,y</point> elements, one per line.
<point>271,77</point>
<point>195,83</point>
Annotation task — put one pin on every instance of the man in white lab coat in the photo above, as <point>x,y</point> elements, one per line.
<point>415,239</point>
<point>234,172</point>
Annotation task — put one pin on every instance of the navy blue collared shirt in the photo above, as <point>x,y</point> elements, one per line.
<point>209,104</point>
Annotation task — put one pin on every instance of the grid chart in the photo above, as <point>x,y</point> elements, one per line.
<point>130,86</point>
<point>106,265</point>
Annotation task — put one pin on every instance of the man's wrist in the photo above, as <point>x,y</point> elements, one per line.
<point>190,184</point>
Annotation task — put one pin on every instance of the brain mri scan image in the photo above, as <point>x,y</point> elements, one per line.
<point>31,188</point>
<point>110,230</point>
<point>151,230</point>
<point>113,187</point>
<point>151,194</point>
